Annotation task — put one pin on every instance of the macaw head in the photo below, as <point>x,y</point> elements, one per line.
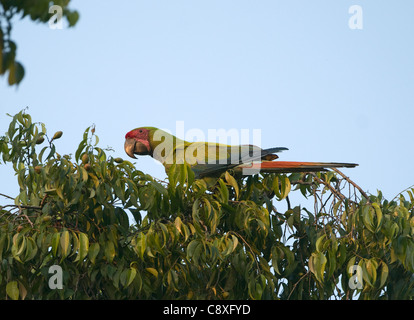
<point>137,141</point>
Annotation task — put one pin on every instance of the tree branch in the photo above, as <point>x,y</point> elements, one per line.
<point>6,196</point>
<point>25,215</point>
<point>335,192</point>
<point>351,182</point>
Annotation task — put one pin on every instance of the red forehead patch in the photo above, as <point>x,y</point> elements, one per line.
<point>137,133</point>
<point>130,135</point>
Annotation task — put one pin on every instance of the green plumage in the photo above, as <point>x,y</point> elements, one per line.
<point>205,158</point>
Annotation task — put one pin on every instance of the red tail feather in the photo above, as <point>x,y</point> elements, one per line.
<point>294,166</point>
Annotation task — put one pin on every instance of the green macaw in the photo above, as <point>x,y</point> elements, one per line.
<point>209,159</point>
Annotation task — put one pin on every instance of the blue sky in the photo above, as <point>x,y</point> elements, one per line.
<point>293,69</point>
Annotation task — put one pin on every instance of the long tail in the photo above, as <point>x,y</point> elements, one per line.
<point>294,166</point>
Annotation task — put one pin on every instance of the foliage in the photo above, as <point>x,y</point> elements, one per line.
<point>118,233</point>
<point>38,11</point>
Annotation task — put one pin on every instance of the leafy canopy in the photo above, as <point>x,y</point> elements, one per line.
<point>118,233</point>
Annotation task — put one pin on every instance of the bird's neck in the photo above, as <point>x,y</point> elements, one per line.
<point>163,146</point>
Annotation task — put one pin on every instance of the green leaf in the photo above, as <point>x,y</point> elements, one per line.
<point>153,271</point>
<point>286,187</point>
<point>75,244</point>
<point>187,232</point>
<point>127,276</point>
<point>137,215</point>
<point>84,174</point>
<point>367,217</point>
<point>235,242</point>
<point>19,245</point>
<point>183,173</point>
<point>194,250</point>
<point>31,249</point>
<point>159,187</point>
<point>2,244</point>
<point>178,224</point>
<point>81,146</point>
<point>109,251</point>
<point>22,291</point>
<point>255,288</point>
<point>190,177</point>
<point>224,192</point>
<point>64,243</point>
<point>55,243</point>
<point>231,181</point>
<point>141,244</point>
<point>191,247</point>
<point>172,279</point>
<point>72,18</point>
<point>275,259</point>
<point>276,188</point>
<point>12,290</point>
<point>172,175</point>
<point>336,207</point>
<point>122,218</point>
<point>16,73</point>
<point>83,247</point>
<point>378,213</point>
<point>320,242</point>
<point>342,254</point>
<point>384,274</point>
<point>93,251</point>
<point>369,271</point>
<point>317,263</point>
<point>40,156</point>
<point>7,61</point>
<point>165,233</point>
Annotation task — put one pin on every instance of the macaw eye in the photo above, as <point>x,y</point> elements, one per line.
<point>140,131</point>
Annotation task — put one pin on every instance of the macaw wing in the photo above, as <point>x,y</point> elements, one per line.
<point>216,158</point>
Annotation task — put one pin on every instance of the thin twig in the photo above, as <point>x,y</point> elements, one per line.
<point>301,182</point>
<point>288,203</point>
<point>248,245</point>
<point>6,196</point>
<point>25,215</point>
<point>22,206</point>
<point>43,200</point>
<point>402,192</point>
<point>294,286</point>
<point>353,183</point>
<point>338,194</point>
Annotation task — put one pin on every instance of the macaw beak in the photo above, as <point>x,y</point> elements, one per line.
<point>133,147</point>
<point>130,147</point>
